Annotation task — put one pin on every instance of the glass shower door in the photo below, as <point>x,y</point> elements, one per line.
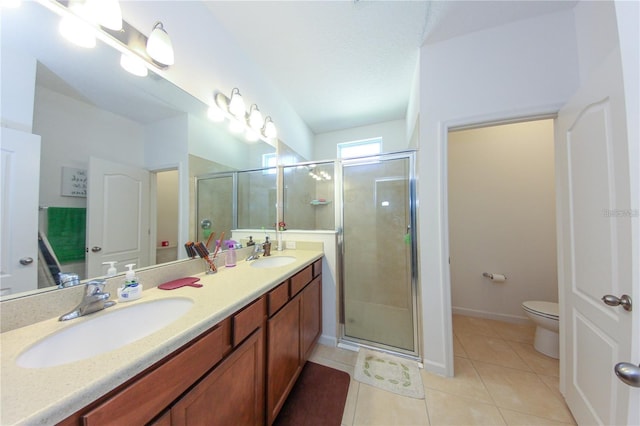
<point>378,288</point>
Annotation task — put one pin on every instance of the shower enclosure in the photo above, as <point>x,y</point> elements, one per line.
<point>378,285</point>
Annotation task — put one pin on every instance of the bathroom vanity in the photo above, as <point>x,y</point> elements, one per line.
<point>232,358</point>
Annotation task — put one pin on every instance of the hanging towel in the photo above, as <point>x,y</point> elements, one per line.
<point>66,232</point>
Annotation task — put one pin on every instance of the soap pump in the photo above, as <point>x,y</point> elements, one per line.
<point>112,269</point>
<point>132,289</point>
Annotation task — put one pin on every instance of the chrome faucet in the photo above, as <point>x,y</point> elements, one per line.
<point>256,252</point>
<point>94,300</point>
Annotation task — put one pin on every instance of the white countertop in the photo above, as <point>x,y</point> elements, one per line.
<point>45,396</point>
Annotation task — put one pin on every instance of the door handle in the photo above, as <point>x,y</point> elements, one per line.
<point>26,261</point>
<point>96,249</point>
<point>628,373</point>
<point>624,300</point>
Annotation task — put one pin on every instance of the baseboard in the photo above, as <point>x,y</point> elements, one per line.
<point>490,315</point>
<point>328,341</point>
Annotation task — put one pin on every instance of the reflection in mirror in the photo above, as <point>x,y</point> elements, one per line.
<point>85,106</point>
<point>309,190</point>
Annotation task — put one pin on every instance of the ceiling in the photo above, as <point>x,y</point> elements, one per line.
<point>343,64</point>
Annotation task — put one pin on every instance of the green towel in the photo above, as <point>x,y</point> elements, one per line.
<point>67,233</point>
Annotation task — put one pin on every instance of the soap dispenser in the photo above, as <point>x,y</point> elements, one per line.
<point>112,269</point>
<point>230,256</point>
<point>132,289</point>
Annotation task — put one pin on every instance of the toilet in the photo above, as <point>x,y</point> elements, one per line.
<point>545,316</point>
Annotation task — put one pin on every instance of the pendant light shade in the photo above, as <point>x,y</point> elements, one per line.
<point>255,118</point>
<point>159,45</point>
<point>269,130</point>
<point>236,104</point>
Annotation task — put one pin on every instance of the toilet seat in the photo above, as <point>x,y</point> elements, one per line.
<point>548,310</point>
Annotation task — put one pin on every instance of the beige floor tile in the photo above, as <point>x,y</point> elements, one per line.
<point>539,363</point>
<point>523,392</point>
<point>458,350</point>
<point>447,410</point>
<point>493,350</point>
<point>514,332</point>
<point>466,382</point>
<point>378,407</point>
<point>343,356</point>
<point>553,383</point>
<point>350,405</point>
<point>471,325</point>
<point>514,418</point>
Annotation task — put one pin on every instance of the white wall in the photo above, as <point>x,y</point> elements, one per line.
<point>520,69</point>
<point>502,218</point>
<point>18,76</point>
<point>393,133</point>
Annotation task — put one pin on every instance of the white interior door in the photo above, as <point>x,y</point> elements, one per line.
<point>595,250</point>
<point>19,182</point>
<point>118,225</point>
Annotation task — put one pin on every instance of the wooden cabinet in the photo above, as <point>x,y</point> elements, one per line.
<point>232,394</point>
<point>291,334</point>
<point>219,377</point>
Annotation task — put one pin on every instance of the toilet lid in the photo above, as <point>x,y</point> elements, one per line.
<point>546,309</point>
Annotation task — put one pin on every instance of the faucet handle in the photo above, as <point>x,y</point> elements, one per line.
<point>95,287</point>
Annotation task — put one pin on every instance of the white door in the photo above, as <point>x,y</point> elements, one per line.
<point>19,182</point>
<point>117,216</point>
<point>595,248</point>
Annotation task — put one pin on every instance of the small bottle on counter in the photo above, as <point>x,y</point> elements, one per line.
<point>132,289</point>
<point>266,246</point>
<point>230,256</point>
<point>251,242</point>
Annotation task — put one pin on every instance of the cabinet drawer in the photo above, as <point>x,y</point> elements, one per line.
<point>277,298</point>
<point>301,279</point>
<point>152,393</point>
<point>317,268</point>
<point>247,320</point>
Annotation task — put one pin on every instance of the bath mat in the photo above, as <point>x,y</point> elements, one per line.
<point>317,399</point>
<point>388,372</point>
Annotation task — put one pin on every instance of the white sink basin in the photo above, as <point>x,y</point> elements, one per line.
<point>103,333</point>
<point>272,262</point>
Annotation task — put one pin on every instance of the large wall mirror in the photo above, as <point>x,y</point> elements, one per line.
<point>95,119</point>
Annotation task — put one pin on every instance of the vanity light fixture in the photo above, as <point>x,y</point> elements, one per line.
<point>78,31</point>
<point>236,104</point>
<point>269,129</point>
<point>159,45</point>
<point>134,64</point>
<point>255,119</point>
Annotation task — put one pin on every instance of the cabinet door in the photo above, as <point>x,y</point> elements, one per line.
<point>311,316</point>
<point>283,356</point>
<point>232,394</point>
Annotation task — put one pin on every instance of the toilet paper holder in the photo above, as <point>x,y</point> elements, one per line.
<point>491,276</point>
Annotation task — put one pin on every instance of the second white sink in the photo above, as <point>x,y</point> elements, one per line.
<point>104,332</point>
<point>272,262</point>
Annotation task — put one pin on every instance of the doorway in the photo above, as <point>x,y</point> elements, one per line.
<point>378,282</point>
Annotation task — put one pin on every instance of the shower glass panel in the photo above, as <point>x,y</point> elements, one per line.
<point>257,199</point>
<point>308,196</point>
<point>379,298</point>
<point>215,200</point>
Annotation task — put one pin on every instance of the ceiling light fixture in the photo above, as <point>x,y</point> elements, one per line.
<point>255,119</point>
<point>159,45</point>
<point>106,13</point>
<point>236,104</point>
<point>134,64</point>
<point>269,129</point>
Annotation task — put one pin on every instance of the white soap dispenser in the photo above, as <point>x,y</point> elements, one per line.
<point>112,269</point>
<point>132,289</point>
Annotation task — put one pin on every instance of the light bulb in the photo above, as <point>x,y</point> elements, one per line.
<point>133,64</point>
<point>159,45</point>
<point>236,104</point>
<point>269,130</point>
<point>255,118</point>
<point>78,31</point>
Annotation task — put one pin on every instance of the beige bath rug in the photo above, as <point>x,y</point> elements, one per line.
<point>388,372</point>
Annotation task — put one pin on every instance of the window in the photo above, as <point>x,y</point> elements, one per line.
<point>269,162</point>
<point>361,148</point>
